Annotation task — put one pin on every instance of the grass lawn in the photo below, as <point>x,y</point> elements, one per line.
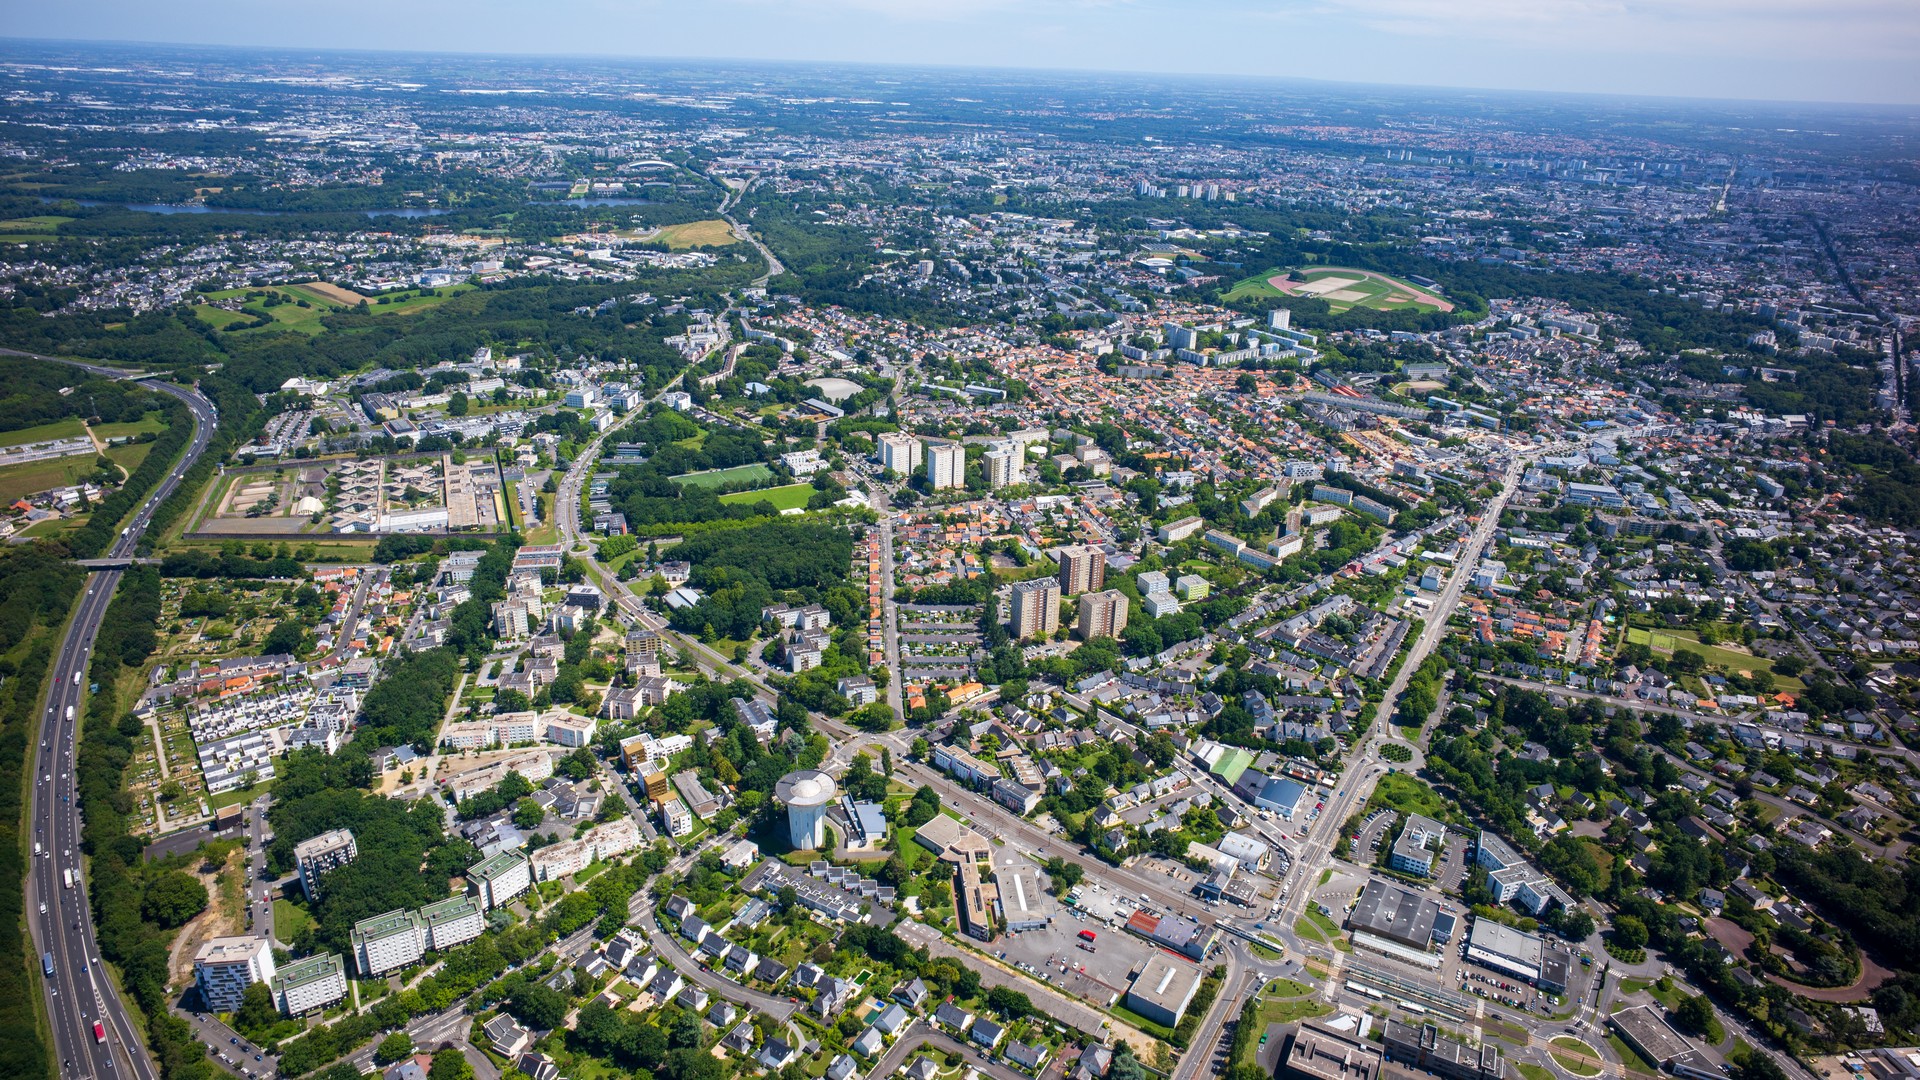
<point>289,919</point>
<point>28,477</point>
<point>790,497</point>
<point>1578,1066</point>
<point>718,477</point>
<point>239,795</point>
<point>1731,659</point>
<point>1288,988</point>
<point>39,223</point>
<point>710,233</point>
<point>148,423</point>
<point>1321,928</point>
<point>1634,1062</point>
<point>1282,1011</point>
<point>1408,794</point>
<point>1534,1072</point>
<point>59,429</point>
<point>130,456</point>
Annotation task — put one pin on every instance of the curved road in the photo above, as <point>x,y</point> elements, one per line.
<point>79,994</point>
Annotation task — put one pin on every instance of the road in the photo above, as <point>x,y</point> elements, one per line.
<point>1358,787</point>
<point>79,994</point>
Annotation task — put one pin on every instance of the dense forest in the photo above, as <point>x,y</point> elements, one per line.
<point>741,570</point>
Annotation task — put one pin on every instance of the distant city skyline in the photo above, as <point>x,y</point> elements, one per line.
<point>1857,51</point>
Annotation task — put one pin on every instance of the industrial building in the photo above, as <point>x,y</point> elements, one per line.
<point>1163,989</point>
<point>1395,914</point>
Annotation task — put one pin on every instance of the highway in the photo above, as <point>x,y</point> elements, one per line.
<point>79,994</point>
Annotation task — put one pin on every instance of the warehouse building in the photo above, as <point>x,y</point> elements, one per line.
<point>1392,914</point>
<point>1524,956</point>
<point>1163,989</point>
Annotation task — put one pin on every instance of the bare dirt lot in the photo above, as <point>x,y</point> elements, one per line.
<point>335,293</point>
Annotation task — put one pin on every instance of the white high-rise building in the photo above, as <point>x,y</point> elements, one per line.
<point>500,878</point>
<point>316,856</point>
<point>226,966</point>
<point>1005,465</point>
<point>313,983</point>
<point>386,942</point>
<point>947,466</point>
<point>453,921</point>
<point>900,452</point>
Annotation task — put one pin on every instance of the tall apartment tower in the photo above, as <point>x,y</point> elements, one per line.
<point>1036,608</point>
<point>1280,319</point>
<point>1083,568</point>
<point>900,452</point>
<point>947,466</point>
<point>314,857</point>
<point>226,966</point>
<point>1102,614</point>
<point>1004,465</point>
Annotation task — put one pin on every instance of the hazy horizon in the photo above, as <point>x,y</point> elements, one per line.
<point>1855,52</point>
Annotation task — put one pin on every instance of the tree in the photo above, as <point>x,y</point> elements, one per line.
<point>1629,932</point>
<point>256,1011</point>
<point>393,1048</point>
<point>1009,1003</point>
<point>925,804</point>
<point>173,897</point>
<point>457,404</point>
<point>1065,875</point>
<point>528,814</point>
<point>450,1064</point>
<point>1695,1015</point>
<point>538,1005</point>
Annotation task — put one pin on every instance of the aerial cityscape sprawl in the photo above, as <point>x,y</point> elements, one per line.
<point>692,571</point>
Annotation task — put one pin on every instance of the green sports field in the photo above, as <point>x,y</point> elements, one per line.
<point>1342,288</point>
<point>721,477</point>
<point>790,497</point>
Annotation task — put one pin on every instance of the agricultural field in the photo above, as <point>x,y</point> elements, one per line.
<point>790,497</point>
<point>27,230</point>
<point>718,477</point>
<point>712,233</point>
<point>29,477</point>
<point>1342,288</point>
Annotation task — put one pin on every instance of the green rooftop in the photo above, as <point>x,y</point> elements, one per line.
<point>311,970</point>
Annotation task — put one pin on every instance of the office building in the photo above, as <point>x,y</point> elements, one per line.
<point>1413,851</point>
<point>899,452</point>
<point>226,966</point>
<point>1322,1052</point>
<point>309,984</point>
<point>1524,956</point>
<point>1035,608</point>
<point>1083,568</point>
<point>496,880</point>
<point>1646,1030</point>
<point>1163,989</point>
<point>1102,614</point>
<point>946,466</point>
<point>386,942</point>
<point>314,857</point>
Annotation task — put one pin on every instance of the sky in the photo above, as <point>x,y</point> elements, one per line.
<point>1865,51</point>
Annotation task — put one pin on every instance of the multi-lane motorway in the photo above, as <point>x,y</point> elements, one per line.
<point>79,993</point>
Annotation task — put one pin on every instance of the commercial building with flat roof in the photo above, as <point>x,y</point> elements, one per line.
<point>226,966</point>
<point>1188,937</point>
<point>309,984</point>
<point>386,942</point>
<point>1323,1053</point>
<point>1163,989</point>
<point>1519,954</point>
<point>1394,913</point>
<point>1413,850</point>
<point>1646,1030</point>
<point>1423,1047</point>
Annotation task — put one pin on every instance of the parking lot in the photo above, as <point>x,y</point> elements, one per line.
<point>1096,971</point>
